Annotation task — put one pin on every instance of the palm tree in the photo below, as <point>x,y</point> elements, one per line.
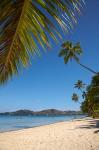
<point>91,100</point>
<point>75,97</point>
<point>80,85</point>
<point>27,25</point>
<point>70,51</point>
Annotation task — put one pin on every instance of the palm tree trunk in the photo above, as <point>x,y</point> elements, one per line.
<point>88,68</point>
<point>79,102</point>
<point>97,123</point>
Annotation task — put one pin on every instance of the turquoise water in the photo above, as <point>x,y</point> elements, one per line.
<point>8,123</point>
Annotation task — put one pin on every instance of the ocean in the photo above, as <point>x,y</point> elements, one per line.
<point>9,123</point>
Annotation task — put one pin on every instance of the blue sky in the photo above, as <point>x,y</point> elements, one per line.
<point>48,83</point>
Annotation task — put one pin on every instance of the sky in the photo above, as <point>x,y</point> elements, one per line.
<point>48,82</point>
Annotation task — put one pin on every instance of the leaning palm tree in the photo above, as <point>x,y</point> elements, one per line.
<point>70,51</point>
<point>27,25</point>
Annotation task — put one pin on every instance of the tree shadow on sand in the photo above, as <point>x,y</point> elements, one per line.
<point>91,124</point>
<point>96,131</point>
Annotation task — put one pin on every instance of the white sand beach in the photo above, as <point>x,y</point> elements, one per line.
<point>72,135</point>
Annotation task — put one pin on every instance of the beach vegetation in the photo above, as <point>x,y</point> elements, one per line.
<point>91,101</point>
<point>70,51</point>
<point>90,96</point>
<point>27,26</point>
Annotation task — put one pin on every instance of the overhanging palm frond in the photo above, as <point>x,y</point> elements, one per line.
<point>26,23</point>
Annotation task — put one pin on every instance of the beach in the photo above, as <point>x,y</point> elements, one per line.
<point>79,134</point>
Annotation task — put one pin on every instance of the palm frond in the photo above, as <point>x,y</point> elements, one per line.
<point>63,52</point>
<point>67,58</point>
<point>79,84</point>
<point>78,49</point>
<point>26,24</point>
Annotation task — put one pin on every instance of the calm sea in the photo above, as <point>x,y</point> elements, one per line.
<point>8,123</point>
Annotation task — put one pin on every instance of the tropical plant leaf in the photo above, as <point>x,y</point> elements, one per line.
<point>26,24</point>
<point>62,52</point>
<point>70,51</point>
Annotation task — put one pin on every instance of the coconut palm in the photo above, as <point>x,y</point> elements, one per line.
<point>27,25</point>
<point>75,97</point>
<point>80,85</point>
<point>72,51</point>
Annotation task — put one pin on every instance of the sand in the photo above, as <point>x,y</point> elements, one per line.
<point>72,135</point>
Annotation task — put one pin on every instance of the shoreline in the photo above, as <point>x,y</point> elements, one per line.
<point>44,125</point>
<point>76,134</point>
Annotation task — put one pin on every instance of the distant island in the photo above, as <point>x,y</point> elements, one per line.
<point>43,112</point>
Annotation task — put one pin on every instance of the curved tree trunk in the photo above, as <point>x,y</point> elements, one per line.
<point>97,123</point>
<point>88,69</point>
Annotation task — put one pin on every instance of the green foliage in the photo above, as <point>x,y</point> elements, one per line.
<point>75,97</point>
<point>70,51</point>
<point>91,102</point>
<point>84,106</point>
<point>80,85</point>
<point>25,25</point>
